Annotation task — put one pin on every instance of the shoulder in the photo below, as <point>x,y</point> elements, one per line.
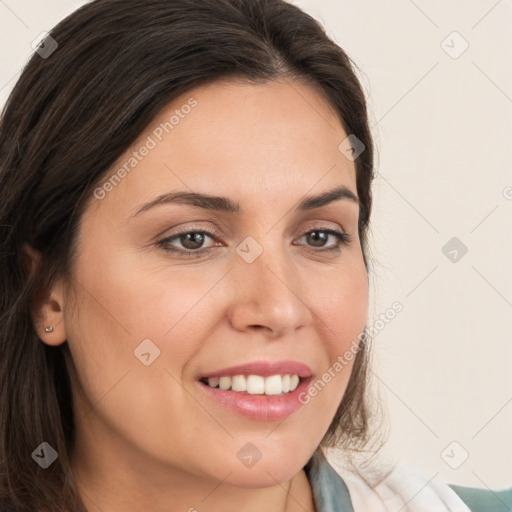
<point>395,487</point>
<point>485,500</point>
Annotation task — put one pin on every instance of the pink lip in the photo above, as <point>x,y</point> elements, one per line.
<point>263,368</point>
<point>259,407</point>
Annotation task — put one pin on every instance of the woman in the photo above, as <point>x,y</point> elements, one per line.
<point>186,193</point>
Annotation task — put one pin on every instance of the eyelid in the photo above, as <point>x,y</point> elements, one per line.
<point>324,224</point>
<point>213,231</point>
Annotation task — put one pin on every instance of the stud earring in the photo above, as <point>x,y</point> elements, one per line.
<point>48,329</point>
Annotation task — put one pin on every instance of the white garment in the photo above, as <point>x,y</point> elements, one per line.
<point>404,489</point>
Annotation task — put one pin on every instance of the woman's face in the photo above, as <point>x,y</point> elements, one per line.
<point>151,319</point>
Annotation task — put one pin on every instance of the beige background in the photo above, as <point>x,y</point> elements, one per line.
<point>443,125</point>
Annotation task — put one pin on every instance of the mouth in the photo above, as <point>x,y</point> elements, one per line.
<point>255,384</point>
<point>261,390</point>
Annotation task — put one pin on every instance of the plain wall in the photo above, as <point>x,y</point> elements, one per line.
<point>443,124</point>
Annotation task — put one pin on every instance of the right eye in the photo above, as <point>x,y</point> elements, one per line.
<point>191,242</point>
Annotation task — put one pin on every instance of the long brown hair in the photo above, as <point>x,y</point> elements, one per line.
<point>78,105</point>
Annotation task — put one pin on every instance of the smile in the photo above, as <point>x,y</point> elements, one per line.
<point>255,384</point>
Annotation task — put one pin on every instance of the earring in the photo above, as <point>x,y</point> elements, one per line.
<point>48,329</point>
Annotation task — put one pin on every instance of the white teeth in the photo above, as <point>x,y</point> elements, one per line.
<point>238,383</point>
<point>256,384</point>
<point>213,382</point>
<point>225,383</point>
<point>286,383</point>
<point>274,385</point>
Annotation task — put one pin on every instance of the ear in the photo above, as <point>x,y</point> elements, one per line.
<point>47,307</point>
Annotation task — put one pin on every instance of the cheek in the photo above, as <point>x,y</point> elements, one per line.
<point>124,300</point>
<point>340,299</point>
<point>122,303</point>
<point>119,305</point>
<point>341,305</point>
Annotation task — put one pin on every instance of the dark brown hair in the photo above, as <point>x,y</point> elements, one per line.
<point>68,119</point>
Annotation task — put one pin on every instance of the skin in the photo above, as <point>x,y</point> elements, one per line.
<point>147,438</point>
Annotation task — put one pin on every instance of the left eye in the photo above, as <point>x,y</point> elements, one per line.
<point>192,241</point>
<point>321,235</point>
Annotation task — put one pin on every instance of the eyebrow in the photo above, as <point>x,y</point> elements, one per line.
<point>226,205</point>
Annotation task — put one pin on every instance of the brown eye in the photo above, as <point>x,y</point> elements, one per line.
<point>192,240</point>
<point>317,238</point>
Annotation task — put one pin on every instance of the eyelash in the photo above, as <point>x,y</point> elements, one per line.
<point>344,239</point>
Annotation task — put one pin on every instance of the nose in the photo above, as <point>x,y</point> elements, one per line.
<point>269,294</point>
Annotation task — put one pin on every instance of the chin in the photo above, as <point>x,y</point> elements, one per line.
<point>262,475</point>
<point>253,467</point>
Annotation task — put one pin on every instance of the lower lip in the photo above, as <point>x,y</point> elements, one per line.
<point>259,407</point>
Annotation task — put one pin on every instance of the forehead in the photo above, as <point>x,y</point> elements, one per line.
<point>239,139</point>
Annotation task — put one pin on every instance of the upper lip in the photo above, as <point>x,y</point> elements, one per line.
<point>263,368</point>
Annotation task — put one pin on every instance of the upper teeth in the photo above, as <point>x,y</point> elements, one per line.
<point>256,384</point>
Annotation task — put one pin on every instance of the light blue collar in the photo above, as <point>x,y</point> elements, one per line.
<point>329,490</point>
